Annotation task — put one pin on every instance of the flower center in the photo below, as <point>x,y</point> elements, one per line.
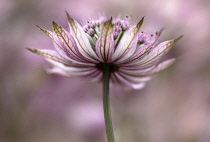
<point>112,67</point>
<point>92,28</point>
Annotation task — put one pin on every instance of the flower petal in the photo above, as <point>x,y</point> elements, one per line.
<point>81,39</point>
<point>105,43</point>
<point>49,54</point>
<point>124,80</point>
<point>136,71</point>
<point>59,45</point>
<point>127,44</point>
<point>156,52</point>
<point>163,65</point>
<point>66,44</point>
<point>64,70</point>
<point>59,71</point>
<point>138,86</point>
<point>143,50</point>
<point>135,79</point>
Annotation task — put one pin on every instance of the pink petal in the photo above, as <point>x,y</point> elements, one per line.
<point>65,44</point>
<point>135,71</point>
<point>125,80</point>
<point>163,65</point>
<point>59,71</point>
<point>133,78</point>
<point>127,44</point>
<point>81,39</point>
<point>138,86</point>
<point>50,54</point>
<point>142,51</point>
<point>70,70</point>
<point>157,52</point>
<point>105,43</point>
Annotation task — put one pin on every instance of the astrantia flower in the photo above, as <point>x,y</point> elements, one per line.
<point>133,56</point>
<point>107,50</point>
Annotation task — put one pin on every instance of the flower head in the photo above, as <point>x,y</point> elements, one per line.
<point>133,56</point>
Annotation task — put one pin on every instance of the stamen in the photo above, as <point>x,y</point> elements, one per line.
<point>125,25</point>
<point>115,34</point>
<point>91,32</point>
<point>119,27</point>
<point>92,28</point>
<point>144,38</point>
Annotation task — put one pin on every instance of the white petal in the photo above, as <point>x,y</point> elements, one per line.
<point>50,54</point>
<point>65,44</point>
<point>119,79</point>
<point>105,43</point>
<point>127,44</point>
<point>138,86</point>
<point>81,39</point>
<point>136,72</point>
<point>70,70</point>
<point>125,80</point>
<point>163,65</point>
<point>142,51</point>
<point>158,51</point>
<point>98,77</point>
<point>134,78</point>
<point>59,71</point>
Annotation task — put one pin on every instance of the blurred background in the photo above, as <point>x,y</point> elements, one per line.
<point>38,107</point>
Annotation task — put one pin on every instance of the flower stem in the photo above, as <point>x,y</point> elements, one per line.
<point>106,103</point>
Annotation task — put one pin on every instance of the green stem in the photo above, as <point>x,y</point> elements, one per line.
<point>106,103</point>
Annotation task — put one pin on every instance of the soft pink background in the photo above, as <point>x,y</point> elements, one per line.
<point>37,107</point>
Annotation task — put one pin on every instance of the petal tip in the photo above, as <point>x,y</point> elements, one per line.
<point>171,61</point>
<point>158,33</point>
<point>56,27</point>
<point>54,23</point>
<point>32,50</point>
<point>177,39</point>
<point>45,31</point>
<point>138,86</point>
<point>40,28</point>
<point>109,22</point>
<point>140,23</point>
<point>69,17</point>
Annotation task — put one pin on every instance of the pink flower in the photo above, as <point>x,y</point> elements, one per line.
<point>133,56</point>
